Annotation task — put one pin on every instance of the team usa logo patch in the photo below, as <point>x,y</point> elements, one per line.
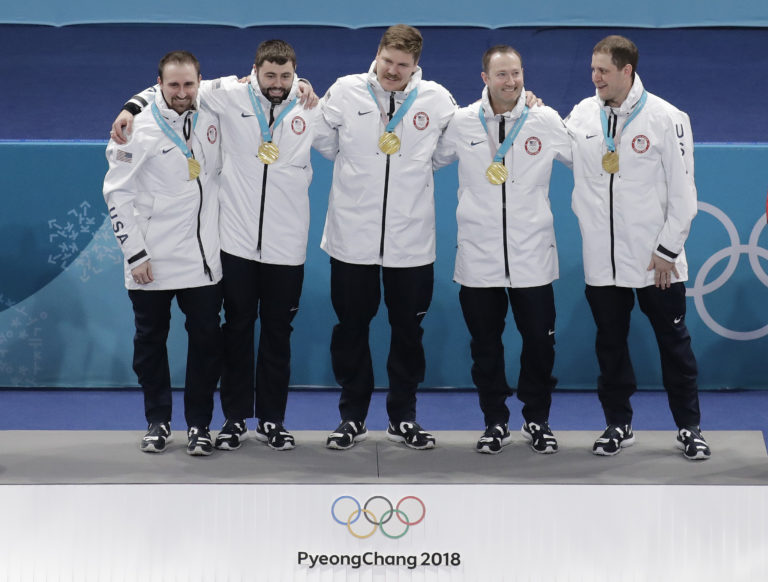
<point>298,125</point>
<point>421,121</point>
<point>212,133</point>
<point>640,144</point>
<point>533,145</point>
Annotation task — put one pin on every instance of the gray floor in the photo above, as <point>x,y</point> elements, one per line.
<point>98,457</point>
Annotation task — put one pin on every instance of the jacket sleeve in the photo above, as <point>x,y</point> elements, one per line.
<point>121,188</point>
<point>677,159</point>
<point>561,141</point>
<point>445,152</point>
<point>325,139</point>
<point>215,92</point>
<point>138,102</point>
<point>332,107</point>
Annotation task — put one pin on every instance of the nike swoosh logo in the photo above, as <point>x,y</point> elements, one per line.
<point>363,112</point>
<point>247,114</point>
<point>591,136</point>
<point>474,143</point>
<point>551,332</point>
<point>169,149</point>
<point>678,320</point>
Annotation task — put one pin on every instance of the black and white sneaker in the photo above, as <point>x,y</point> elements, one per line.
<point>346,435</point>
<point>158,435</point>
<point>692,443</point>
<point>540,437</point>
<point>231,435</point>
<point>199,441</point>
<point>614,438</point>
<point>410,433</point>
<point>274,435</point>
<point>494,438</point>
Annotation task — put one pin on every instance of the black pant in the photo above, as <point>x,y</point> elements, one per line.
<point>665,308</point>
<point>484,312</point>
<point>251,290</point>
<point>152,314</point>
<point>355,294</point>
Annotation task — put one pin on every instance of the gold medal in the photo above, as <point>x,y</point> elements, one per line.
<point>611,162</point>
<point>389,143</point>
<point>194,168</point>
<point>268,152</point>
<point>497,173</point>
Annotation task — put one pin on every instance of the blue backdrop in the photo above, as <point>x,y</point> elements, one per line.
<point>65,319</point>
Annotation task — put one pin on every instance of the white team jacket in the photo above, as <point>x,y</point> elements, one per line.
<point>530,236</point>
<point>356,223</point>
<point>278,235</point>
<point>157,212</point>
<point>648,205</point>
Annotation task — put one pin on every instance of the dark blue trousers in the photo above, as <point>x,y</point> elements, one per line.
<point>255,290</point>
<point>356,294</point>
<point>665,308</point>
<point>533,308</point>
<point>152,314</point>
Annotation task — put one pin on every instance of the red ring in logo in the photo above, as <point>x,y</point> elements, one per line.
<point>421,121</point>
<point>298,125</point>
<point>533,145</point>
<point>212,133</point>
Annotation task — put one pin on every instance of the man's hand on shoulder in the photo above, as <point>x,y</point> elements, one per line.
<point>122,127</point>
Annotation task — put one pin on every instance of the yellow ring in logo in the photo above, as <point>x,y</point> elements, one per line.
<point>355,514</point>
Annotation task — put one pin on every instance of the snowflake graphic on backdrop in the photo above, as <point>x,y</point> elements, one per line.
<point>21,345</point>
<point>71,236</point>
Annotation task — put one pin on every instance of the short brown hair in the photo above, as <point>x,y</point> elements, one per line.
<point>403,38</point>
<point>178,58</point>
<point>499,48</point>
<point>622,50</point>
<point>275,51</point>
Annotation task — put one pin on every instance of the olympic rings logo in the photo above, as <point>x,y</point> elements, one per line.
<point>751,249</point>
<point>378,512</point>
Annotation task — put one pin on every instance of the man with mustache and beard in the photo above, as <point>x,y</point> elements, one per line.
<point>161,190</point>
<point>264,224</point>
<point>380,229</point>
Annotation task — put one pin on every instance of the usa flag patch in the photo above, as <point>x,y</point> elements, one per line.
<point>123,156</point>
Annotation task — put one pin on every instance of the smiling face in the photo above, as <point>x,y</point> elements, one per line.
<point>179,83</point>
<point>612,83</point>
<point>275,81</point>
<point>394,68</point>
<point>504,79</point>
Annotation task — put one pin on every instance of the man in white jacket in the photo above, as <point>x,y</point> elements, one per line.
<point>380,229</point>
<point>161,190</point>
<point>506,249</point>
<point>635,198</point>
<point>264,224</point>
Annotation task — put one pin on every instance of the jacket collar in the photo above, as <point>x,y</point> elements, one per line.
<point>633,97</point>
<point>516,112</point>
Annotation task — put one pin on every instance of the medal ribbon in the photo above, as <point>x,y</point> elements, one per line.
<point>609,141</point>
<point>168,130</point>
<point>266,133</point>
<point>397,117</point>
<point>509,140</point>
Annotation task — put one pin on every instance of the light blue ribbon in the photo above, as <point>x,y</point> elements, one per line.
<point>510,139</point>
<point>168,130</point>
<point>266,133</point>
<point>604,120</point>
<point>397,117</point>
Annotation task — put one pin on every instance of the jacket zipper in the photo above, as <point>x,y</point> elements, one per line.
<point>264,188</point>
<point>504,207</point>
<point>386,185</point>
<point>187,129</point>
<point>612,129</point>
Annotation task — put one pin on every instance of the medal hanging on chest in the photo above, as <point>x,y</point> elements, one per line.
<point>194,168</point>
<point>389,143</point>
<point>497,173</point>
<point>610,160</point>
<point>268,152</point>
